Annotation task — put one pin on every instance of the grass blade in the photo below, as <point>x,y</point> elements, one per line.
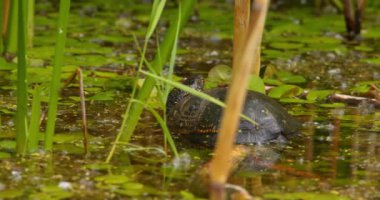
<point>11,36</point>
<point>158,7</point>
<point>149,83</point>
<point>163,125</point>
<point>34,126</point>
<point>64,9</point>
<point>22,93</point>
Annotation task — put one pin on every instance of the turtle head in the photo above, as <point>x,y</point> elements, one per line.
<point>176,95</point>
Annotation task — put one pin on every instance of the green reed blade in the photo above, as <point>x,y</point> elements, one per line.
<point>22,93</point>
<point>163,125</point>
<point>64,9</point>
<point>34,126</point>
<point>158,62</point>
<point>30,22</point>
<point>11,37</point>
<point>155,15</point>
<point>173,55</point>
<point>158,7</point>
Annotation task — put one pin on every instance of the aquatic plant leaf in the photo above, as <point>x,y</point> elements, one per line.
<point>333,105</point>
<point>4,155</point>
<point>256,84</point>
<point>189,196</point>
<point>295,100</point>
<point>41,195</point>
<point>364,86</point>
<point>270,81</point>
<point>289,78</point>
<point>4,65</point>
<point>8,144</point>
<point>375,61</point>
<point>11,193</point>
<point>361,88</point>
<point>112,179</point>
<point>318,95</point>
<point>69,148</point>
<point>363,48</point>
<point>283,91</point>
<point>128,192</point>
<point>56,192</point>
<point>133,186</point>
<point>103,96</point>
<point>220,74</point>
<point>305,196</point>
<point>286,45</point>
<point>6,111</point>
<point>271,53</point>
<point>68,137</point>
<point>98,166</point>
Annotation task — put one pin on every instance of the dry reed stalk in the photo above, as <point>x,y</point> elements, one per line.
<point>6,5</point>
<point>83,108</point>
<point>221,162</point>
<point>241,25</point>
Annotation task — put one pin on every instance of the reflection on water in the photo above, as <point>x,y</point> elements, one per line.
<point>337,155</point>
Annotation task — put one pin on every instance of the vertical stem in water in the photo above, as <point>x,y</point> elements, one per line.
<point>22,92</point>
<point>11,37</point>
<point>221,162</point>
<point>83,108</point>
<point>34,127</point>
<point>64,9</point>
<point>30,23</point>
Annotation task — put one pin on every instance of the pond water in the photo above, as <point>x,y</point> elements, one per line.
<point>336,155</point>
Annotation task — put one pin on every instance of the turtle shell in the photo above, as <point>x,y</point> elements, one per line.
<point>198,120</point>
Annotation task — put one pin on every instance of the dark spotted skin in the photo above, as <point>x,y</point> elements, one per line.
<point>198,120</point>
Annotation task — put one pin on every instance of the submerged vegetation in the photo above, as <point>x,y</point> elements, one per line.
<point>128,57</point>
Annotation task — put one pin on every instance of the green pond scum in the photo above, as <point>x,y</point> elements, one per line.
<point>309,67</point>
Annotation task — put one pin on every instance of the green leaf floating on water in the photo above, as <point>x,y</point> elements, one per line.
<point>289,78</point>
<point>305,196</point>
<point>4,155</point>
<point>363,48</point>
<point>286,45</point>
<point>112,179</point>
<point>131,189</point>
<point>295,100</point>
<point>11,193</point>
<point>256,84</point>
<point>333,105</point>
<point>316,95</point>
<point>270,81</point>
<point>220,74</point>
<point>4,65</point>
<point>364,87</point>
<point>68,137</point>
<point>103,96</point>
<point>8,144</point>
<point>55,192</point>
<point>283,91</point>
<point>375,61</point>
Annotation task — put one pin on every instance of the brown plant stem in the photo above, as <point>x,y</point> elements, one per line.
<point>83,108</point>
<point>359,16</point>
<point>221,162</point>
<point>241,25</point>
<point>5,17</point>
<point>349,18</point>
